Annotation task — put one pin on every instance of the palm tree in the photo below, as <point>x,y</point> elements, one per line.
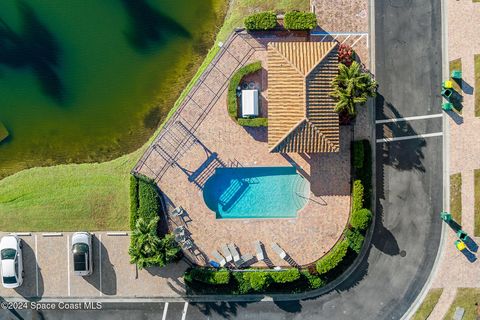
<point>145,243</point>
<point>352,87</point>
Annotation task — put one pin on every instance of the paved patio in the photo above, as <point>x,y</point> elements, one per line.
<point>212,139</point>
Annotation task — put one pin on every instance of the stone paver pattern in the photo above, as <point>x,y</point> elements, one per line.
<point>317,227</point>
<point>454,270</point>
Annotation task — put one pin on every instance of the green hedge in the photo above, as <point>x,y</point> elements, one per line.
<point>235,82</point>
<point>357,196</point>
<point>261,21</point>
<point>208,276</point>
<point>355,240</point>
<point>333,258</point>
<point>360,219</point>
<point>314,281</point>
<point>133,201</point>
<point>358,154</point>
<point>296,20</point>
<point>253,122</point>
<point>148,198</point>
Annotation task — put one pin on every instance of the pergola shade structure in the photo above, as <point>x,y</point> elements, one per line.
<point>301,116</point>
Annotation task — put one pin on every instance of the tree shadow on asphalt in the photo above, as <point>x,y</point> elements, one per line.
<point>109,279</point>
<point>173,272</point>
<point>28,289</point>
<point>226,310</point>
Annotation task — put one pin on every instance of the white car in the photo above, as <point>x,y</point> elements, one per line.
<point>11,261</point>
<point>82,253</point>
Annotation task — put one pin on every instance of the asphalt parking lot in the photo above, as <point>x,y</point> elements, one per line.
<point>47,261</point>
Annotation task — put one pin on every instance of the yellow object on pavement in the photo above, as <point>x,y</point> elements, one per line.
<point>448,84</point>
<point>460,245</point>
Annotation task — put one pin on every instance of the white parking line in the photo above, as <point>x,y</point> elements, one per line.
<point>100,261</point>
<point>164,316</point>
<point>420,136</point>
<point>360,38</point>
<point>346,39</point>
<point>184,312</point>
<point>68,264</point>
<point>36,264</point>
<point>52,234</point>
<point>427,116</point>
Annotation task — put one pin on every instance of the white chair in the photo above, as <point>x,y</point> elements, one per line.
<point>259,251</point>
<point>233,250</point>
<point>282,254</point>
<point>221,260</point>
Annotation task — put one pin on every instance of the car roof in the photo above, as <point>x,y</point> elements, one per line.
<point>8,268</point>
<point>8,242</point>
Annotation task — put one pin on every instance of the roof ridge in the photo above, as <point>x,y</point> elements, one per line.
<point>320,61</point>
<point>286,135</point>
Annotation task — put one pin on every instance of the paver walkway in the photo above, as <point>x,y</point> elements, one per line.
<point>454,271</point>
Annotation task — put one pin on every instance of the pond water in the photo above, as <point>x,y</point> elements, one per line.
<point>90,80</point>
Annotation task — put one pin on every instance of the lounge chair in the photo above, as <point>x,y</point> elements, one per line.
<point>233,250</point>
<point>180,230</point>
<point>259,251</point>
<point>177,212</point>
<point>226,253</point>
<point>188,244</point>
<point>180,238</point>
<point>279,250</point>
<point>221,260</point>
<point>243,260</point>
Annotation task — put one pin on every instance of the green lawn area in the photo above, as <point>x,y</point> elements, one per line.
<point>465,298</point>
<point>476,208</point>
<point>456,197</point>
<point>95,196</point>
<point>456,65</point>
<point>428,304</point>
<point>477,83</point>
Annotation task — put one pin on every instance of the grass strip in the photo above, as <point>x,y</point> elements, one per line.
<point>428,304</point>
<point>466,298</point>
<point>476,61</point>
<point>476,174</point>
<point>456,197</point>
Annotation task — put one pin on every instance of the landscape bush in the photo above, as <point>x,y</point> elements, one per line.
<point>358,154</point>
<point>232,104</point>
<point>333,258</point>
<point>285,276</point>
<point>133,201</point>
<point>360,219</point>
<point>314,281</point>
<point>148,198</point>
<point>295,20</point>
<point>357,196</point>
<point>355,239</point>
<point>208,276</point>
<point>261,21</point>
<point>346,54</point>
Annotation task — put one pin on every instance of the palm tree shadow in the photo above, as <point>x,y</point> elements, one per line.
<point>34,47</point>
<point>149,28</point>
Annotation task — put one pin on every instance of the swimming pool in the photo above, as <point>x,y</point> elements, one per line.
<point>256,192</point>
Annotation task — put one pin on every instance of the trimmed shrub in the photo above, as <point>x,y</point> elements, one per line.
<point>133,201</point>
<point>295,20</point>
<point>208,276</point>
<point>235,82</point>
<point>355,239</point>
<point>285,276</point>
<point>254,122</point>
<point>346,54</point>
<point>360,219</point>
<point>357,196</point>
<point>333,258</point>
<point>148,199</point>
<point>261,21</point>
<point>358,154</point>
<point>259,281</point>
<point>314,281</point>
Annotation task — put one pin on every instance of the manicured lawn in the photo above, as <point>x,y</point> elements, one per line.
<point>456,197</point>
<point>477,83</point>
<point>456,65</point>
<point>96,196</point>
<point>428,304</point>
<point>476,173</point>
<point>465,298</point>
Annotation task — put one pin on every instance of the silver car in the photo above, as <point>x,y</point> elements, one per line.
<point>11,261</point>
<point>82,253</point>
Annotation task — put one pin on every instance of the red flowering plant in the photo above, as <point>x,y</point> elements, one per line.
<point>346,54</point>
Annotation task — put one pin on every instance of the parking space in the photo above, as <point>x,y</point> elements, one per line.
<point>48,270</point>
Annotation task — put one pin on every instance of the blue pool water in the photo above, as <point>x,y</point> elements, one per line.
<point>256,192</point>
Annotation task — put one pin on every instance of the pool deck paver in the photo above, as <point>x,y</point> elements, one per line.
<point>219,141</point>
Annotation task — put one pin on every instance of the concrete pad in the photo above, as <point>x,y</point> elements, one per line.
<point>89,286</point>
<point>53,266</point>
